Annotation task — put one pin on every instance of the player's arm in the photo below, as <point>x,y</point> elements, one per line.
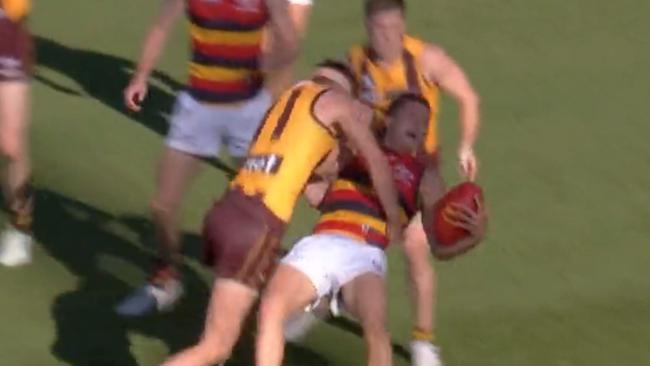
<point>300,11</point>
<point>153,45</point>
<point>432,185</point>
<point>353,119</point>
<point>443,70</point>
<point>475,222</point>
<point>284,36</point>
<point>315,191</point>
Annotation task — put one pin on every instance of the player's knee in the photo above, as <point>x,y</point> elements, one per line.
<point>375,333</point>
<point>159,209</point>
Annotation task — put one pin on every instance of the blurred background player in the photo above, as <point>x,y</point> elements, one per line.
<point>224,102</point>
<point>345,253</point>
<point>391,63</point>
<point>243,230</point>
<point>15,72</point>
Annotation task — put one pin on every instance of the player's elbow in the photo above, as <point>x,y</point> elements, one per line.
<point>471,99</point>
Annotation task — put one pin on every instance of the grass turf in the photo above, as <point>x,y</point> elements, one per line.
<point>561,281</point>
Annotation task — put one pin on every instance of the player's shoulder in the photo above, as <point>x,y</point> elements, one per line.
<point>357,54</point>
<point>328,102</point>
<point>425,49</point>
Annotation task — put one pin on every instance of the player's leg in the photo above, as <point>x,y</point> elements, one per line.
<point>229,305</point>
<point>15,67</point>
<point>14,115</point>
<point>193,133</point>
<point>423,295</point>
<point>289,291</point>
<point>365,298</point>
<point>176,171</point>
<point>164,288</point>
<point>243,260</point>
<point>310,268</point>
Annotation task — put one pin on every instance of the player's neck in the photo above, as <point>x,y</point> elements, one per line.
<point>386,58</point>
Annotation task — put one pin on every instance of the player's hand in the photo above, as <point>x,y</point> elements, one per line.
<point>475,222</point>
<point>468,164</point>
<point>135,93</point>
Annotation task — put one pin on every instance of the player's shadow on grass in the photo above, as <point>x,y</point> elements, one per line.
<point>104,77</point>
<point>88,332</point>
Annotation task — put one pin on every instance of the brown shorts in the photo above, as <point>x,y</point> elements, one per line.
<point>16,51</point>
<point>242,239</point>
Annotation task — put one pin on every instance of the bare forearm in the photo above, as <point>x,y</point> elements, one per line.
<point>284,38</point>
<point>382,179</point>
<point>154,42</point>
<point>315,192</point>
<point>151,51</point>
<point>279,58</point>
<point>469,121</point>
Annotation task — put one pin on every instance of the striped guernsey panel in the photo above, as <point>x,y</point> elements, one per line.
<point>226,49</point>
<point>352,208</point>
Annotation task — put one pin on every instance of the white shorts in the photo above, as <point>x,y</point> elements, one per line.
<point>330,261</point>
<point>201,129</point>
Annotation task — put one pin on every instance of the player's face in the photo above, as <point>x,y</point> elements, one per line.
<point>385,33</point>
<point>407,127</point>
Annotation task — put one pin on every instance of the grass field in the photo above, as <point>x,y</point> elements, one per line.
<point>563,279</point>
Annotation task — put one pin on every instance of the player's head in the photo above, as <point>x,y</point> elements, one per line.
<point>407,120</point>
<point>337,73</point>
<point>386,25</point>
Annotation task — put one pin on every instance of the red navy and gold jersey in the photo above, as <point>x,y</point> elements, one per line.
<point>15,9</point>
<point>226,49</point>
<point>379,85</point>
<point>352,208</point>
<point>289,145</point>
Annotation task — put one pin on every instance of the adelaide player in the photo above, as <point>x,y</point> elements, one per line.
<point>345,253</point>
<point>243,230</point>
<point>15,73</point>
<point>223,104</point>
<point>393,62</point>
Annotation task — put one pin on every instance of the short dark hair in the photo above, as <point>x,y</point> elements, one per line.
<point>403,99</point>
<point>343,68</point>
<point>371,7</point>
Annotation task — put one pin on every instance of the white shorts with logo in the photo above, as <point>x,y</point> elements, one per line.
<point>330,261</point>
<point>201,129</point>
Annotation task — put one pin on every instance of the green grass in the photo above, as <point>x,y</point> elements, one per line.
<point>561,281</point>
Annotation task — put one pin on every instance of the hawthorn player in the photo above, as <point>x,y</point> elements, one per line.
<point>243,230</point>
<point>15,73</point>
